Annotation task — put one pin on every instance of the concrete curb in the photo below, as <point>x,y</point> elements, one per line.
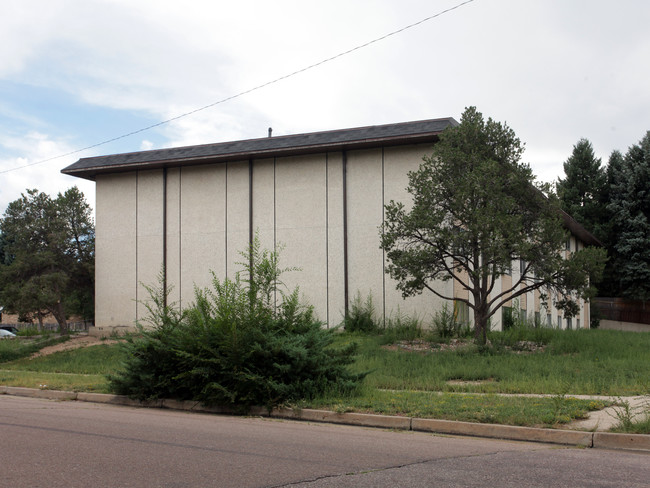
<point>36,393</point>
<point>609,440</point>
<point>602,440</point>
<point>105,398</point>
<point>511,432</point>
<point>350,418</point>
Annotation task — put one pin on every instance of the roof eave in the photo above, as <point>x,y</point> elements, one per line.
<point>579,231</point>
<point>91,172</point>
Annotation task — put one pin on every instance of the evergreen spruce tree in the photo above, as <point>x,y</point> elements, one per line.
<point>610,285</point>
<point>48,256</point>
<point>629,204</point>
<point>581,191</point>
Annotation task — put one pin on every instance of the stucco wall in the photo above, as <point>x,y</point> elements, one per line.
<point>365,265</point>
<point>301,225</point>
<point>115,250</point>
<point>174,229</point>
<point>203,224</point>
<point>197,219</point>
<point>398,161</point>
<point>238,211</point>
<point>335,239</point>
<point>204,214</point>
<point>149,233</point>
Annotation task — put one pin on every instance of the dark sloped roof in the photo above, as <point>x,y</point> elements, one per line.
<point>267,147</point>
<point>336,140</point>
<point>579,231</point>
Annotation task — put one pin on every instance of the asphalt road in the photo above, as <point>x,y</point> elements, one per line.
<point>44,443</point>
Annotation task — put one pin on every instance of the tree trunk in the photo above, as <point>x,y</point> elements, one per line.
<point>480,324</point>
<point>59,315</point>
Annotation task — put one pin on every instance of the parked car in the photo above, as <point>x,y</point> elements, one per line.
<point>5,334</point>
<point>10,328</point>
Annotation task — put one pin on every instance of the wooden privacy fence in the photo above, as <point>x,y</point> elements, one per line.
<point>621,310</point>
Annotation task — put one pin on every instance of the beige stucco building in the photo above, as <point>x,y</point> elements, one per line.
<point>321,196</point>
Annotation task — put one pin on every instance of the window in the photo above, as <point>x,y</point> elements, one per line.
<point>577,323</point>
<point>522,266</point>
<point>568,323</point>
<point>568,244</point>
<point>549,320</point>
<point>507,320</point>
<point>559,321</point>
<point>538,319</point>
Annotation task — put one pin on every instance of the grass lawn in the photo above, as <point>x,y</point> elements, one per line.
<point>587,362</point>
<point>83,369</point>
<point>11,349</point>
<point>489,408</point>
<point>55,381</point>
<point>459,384</point>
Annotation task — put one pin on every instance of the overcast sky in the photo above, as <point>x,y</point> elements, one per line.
<point>74,73</point>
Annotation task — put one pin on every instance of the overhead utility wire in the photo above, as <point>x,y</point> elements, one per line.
<point>245,92</point>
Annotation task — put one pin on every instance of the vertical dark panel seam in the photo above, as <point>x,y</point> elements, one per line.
<point>345,232</point>
<point>250,212</point>
<point>137,209</point>
<point>327,243</point>
<point>226,221</point>
<point>383,252</point>
<point>275,227</point>
<point>275,223</point>
<point>180,237</point>
<point>164,235</point>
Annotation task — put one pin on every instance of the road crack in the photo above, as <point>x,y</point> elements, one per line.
<point>386,468</point>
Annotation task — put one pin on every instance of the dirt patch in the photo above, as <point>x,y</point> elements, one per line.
<point>421,346</point>
<point>75,342</point>
<point>527,346</point>
<point>470,382</point>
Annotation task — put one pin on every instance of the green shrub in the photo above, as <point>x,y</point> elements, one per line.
<point>595,317</point>
<point>516,318</point>
<point>361,316</point>
<point>32,331</point>
<point>236,346</point>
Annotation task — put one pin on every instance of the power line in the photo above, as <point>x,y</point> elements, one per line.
<point>245,92</point>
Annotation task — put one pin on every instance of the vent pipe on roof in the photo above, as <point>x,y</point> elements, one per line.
<point>270,131</point>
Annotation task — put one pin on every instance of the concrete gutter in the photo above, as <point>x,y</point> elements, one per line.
<point>602,440</point>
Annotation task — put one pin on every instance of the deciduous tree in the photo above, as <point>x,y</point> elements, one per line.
<point>476,210</point>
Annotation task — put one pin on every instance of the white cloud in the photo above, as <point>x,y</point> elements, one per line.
<point>35,147</point>
<point>146,145</point>
<point>555,71</point>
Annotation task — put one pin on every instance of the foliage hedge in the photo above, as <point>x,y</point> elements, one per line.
<point>243,342</point>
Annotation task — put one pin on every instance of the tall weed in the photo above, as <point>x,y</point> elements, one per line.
<point>445,324</point>
<point>401,327</point>
<point>361,316</point>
